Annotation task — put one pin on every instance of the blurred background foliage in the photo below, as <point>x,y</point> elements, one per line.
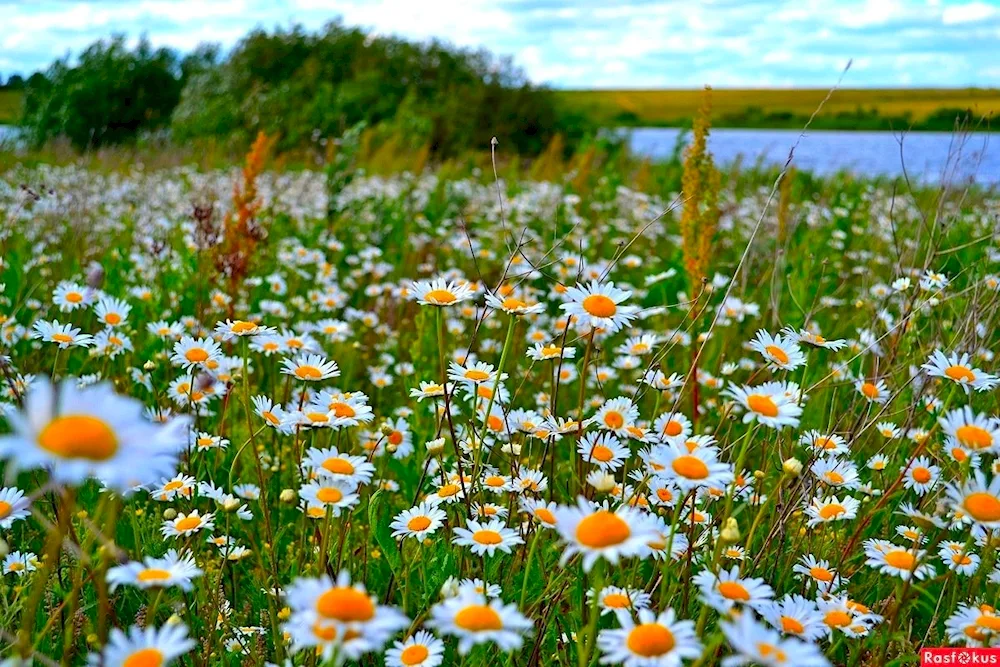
<point>298,86</point>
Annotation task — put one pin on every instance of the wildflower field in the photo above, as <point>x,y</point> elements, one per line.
<point>306,417</point>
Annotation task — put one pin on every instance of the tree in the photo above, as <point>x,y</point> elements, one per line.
<point>111,95</point>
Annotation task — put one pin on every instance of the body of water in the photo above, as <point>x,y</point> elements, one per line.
<point>930,157</point>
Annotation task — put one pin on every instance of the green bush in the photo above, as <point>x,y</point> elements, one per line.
<point>299,85</point>
<point>109,96</point>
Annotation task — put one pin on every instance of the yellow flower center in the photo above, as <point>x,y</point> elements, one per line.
<point>762,404</point>
<point>329,494</point>
<point>870,390</point>
<point>79,436</point>
<point>153,574</point>
<point>673,428</point>
<point>602,529</point>
<point>487,537</point>
<point>62,338</point>
<point>921,475</point>
<point>690,467</point>
<point>478,618</point>
<point>771,652</point>
<point>821,574</point>
<point>900,559</point>
<point>346,605</point>
<point>112,318</point>
<point>308,373</point>
<point>614,420</point>
<point>196,355</point>
<point>188,523</point>
<point>960,374</point>
<point>414,655</point>
<point>418,523</point>
<point>145,657</point>
<point>982,506</point>
<point>617,601</point>
<point>440,297</point>
<point>545,516</point>
<point>448,490</point>
<point>837,618</point>
<point>831,511</point>
<point>989,622</point>
<point>732,590</point>
<point>5,509</point>
<point>240,327</point>
<point>601,453</point>
<point>792,626</point>
<point>599,305</point>
<point>650,639</point>
<point>338,466</point>
<point>974,437</point>
<point>777,354</point>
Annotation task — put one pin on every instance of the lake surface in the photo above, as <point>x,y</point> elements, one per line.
<point>929,156</point>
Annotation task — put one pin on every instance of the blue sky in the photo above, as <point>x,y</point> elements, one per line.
<point>581,43</point>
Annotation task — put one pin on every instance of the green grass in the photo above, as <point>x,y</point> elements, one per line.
<point>848,108</point>
<point>10,106</point>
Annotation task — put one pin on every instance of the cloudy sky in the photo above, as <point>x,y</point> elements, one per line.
<point>580,43</point>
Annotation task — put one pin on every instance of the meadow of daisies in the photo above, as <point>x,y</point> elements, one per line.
<point>447,420</point>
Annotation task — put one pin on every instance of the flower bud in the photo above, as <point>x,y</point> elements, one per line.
<point>435,447</point>
<point>287,496</point>
<point>731,531</point>
<point>792,467</point>
<point>170,514</point>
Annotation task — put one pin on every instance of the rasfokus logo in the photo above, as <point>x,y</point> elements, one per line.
<point>959,656</point>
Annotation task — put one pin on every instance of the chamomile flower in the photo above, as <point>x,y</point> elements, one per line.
<point>13,506</point>
<point>330,494</point>
<point>144,646</point>
<point>18,563</point>
<point>439,292</point>
<point>672,427</point>
<point>825,444</point>
<point>616,415</point>
<point>779,352</point>
<point>242,329</point>
<point>513,305</point>
<point>112,312</point>
<point>756,644</point>
<point>977,499</point>
<point>830,509</point>
<point>974,432</point>
<point>656,640</point>
<point>698,468</point>
<point>796,616</point>
<point>598,532</point>
<point>818,572</point>
<point>473,620</point>
<point>91,432</point>
<point>546,352</point>
<point>727,590</point>
<point>955,557</point>
<point>487,538</point>
<point>921,475</point>
<point>613,599</point>
<point>171,570</point>
<point>421,650</point>
<point>187,524</point>
<point>310,368</point>
<point>191,353</point>
<point>896,561</point>
<point>874,391</point>
<point>603,450</point>
<point>771,404</point>
<point>64,335</point>
<point>599,306</point>
<point>959,369</point>
<point>350,471</point>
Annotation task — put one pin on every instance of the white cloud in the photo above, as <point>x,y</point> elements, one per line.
<point>578,43</point>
